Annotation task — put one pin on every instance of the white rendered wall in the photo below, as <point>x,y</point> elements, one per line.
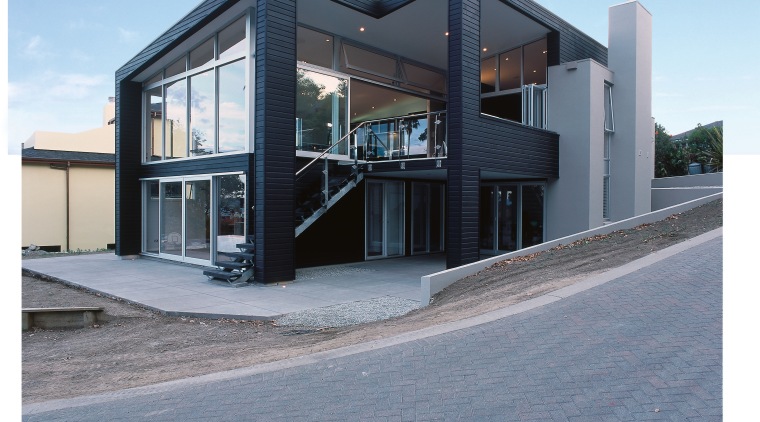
<point>576,112</point>
<point>632,149</point>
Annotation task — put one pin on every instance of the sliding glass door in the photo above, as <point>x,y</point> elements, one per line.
<point>385,219</point>
<point>191,219</point>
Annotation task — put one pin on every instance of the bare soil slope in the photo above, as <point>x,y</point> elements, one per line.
<point>138,347</point>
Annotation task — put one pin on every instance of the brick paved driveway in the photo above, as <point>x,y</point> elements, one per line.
<point>645,346</point>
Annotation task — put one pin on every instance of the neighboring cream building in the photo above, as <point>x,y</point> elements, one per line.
<point>67,188</point>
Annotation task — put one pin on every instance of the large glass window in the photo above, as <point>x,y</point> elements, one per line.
<point>321,104</point>
<point>201,101</point>
<point>171,218</point>
<point>503,77</point>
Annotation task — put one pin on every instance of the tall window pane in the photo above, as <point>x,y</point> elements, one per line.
<point>171,218</point>
<point>232,40</point>
<point>535,63</point>
<point>175,128</point>
<point>231,214</point>
<point>488,75</point>
<point>232,117</point>
<point>202,114</point>
<point>197,219</point>
<point>154,101</point>
<point>151,230</point>
<point>509,69</point>
<point>532,215</point>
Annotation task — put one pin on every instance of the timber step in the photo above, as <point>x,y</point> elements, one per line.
<point>239,255</point>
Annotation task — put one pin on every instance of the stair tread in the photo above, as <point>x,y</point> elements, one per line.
<point>245,246</point>
<point>232,265</point>
<point>222,275</point>
<point>242,255</point>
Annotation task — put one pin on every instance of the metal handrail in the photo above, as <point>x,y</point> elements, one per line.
<point>362,125</point>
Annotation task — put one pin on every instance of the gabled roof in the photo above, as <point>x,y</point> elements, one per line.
<point>204,12</point>
<point>79,157</point>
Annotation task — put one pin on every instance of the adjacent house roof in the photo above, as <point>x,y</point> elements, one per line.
<point>78,157</point>
<point>686,134</point>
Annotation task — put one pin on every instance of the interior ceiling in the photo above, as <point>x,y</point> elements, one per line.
<point>417,30</point>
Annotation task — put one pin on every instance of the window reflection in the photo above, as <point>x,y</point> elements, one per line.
<point>203,54</point>
<point>488,75</point>
<point>232,40</point>
<point>155,101</point>
<point>202,114</point>
<point>314,47</point>
<point>320,111</point>
<point>176,120</point>
<point>232,117</point>
<point>509,69</point>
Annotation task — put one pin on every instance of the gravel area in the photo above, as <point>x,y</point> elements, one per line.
<point>350,313</point>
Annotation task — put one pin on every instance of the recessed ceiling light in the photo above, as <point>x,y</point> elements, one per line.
<point>544,51</point>
<point>361,29</point>
<point>328,40</point>
<point>485,49</point>
<point>447,34</point>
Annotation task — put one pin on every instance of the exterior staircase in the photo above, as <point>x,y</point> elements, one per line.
<point>314,206</point>
<point>239,269</point>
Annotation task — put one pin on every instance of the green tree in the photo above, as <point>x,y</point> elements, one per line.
<point>705,146</point>
<point>670,159</point>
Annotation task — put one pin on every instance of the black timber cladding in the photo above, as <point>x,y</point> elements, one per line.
<point>275,158</point>
<point>462,199</point>
<point>566,43</point>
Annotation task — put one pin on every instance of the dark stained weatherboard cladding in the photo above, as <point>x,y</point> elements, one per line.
<point>566,43</point>
<point>463,109</point>
<point>509,147</point>
<point>275,154</point>
<point>128,150</point>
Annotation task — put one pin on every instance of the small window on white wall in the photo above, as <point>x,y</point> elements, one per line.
<point>609,115</point>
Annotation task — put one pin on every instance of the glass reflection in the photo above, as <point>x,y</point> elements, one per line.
<point>232,40</point>
<point>321,104</point>
<point>197,217</point>
<point>232,117</point>
<point>176,120</point>
<point>155,101</point>
<point>171,218</point>
<point>202,113</point>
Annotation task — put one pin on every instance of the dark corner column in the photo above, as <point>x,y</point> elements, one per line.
<point>275,114</point>
<point>463,117</point>
<point>128,149</point>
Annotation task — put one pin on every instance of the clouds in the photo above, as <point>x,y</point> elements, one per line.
<point>36,48</point>
<point>127,36</point>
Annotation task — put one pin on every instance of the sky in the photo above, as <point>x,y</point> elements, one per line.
<point>62,56</point>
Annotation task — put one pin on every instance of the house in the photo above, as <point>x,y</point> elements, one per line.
<point>261,136</point>
<point>67,188</point>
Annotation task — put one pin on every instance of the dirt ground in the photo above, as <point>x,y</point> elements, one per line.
<point>136,347</point>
